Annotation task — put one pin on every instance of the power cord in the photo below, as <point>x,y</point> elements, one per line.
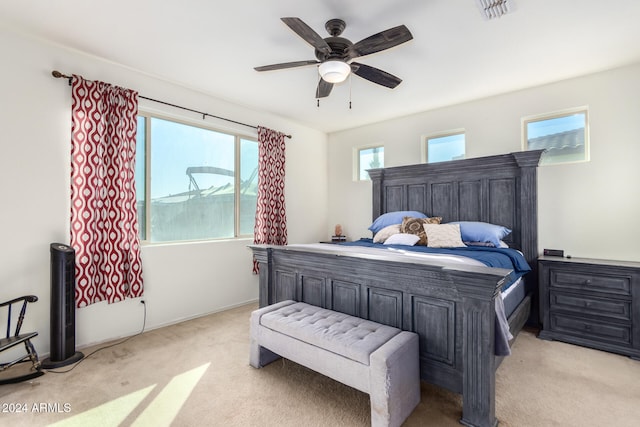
<point>144,323</point>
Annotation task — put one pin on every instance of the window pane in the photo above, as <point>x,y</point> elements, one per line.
<point>563,137</point>
<point>192,182</point>
<point>370,158</point>
<point>445,148</point>
<point>248,185</point>
<point>140,177</point>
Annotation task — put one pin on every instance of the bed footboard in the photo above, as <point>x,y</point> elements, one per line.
<point>451,309</point>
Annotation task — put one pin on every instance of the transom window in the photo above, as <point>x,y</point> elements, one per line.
<point>564,135</point>
<point>444,146</point>
<point>369,158</point>
<point>194,183</point>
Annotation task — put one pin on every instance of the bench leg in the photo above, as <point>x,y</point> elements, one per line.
<point>264,357</point>
<point>258,355</point>
<point>394,380</point>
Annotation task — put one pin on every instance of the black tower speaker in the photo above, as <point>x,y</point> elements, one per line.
<point>63,308</point>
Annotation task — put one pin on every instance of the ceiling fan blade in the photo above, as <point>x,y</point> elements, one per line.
<point>324,89</point>
<point>375,75</point>
<point>286,65</point>
<point>308,34</point>
<point>381,41</point>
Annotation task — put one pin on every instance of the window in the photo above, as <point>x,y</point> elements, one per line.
<point>369,158</point>
<point>443,147</point>
<point>194,183</point>
<point>563,135</point>
<point>140,178</point>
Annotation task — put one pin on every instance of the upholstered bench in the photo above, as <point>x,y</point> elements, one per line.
<point>373,358</point>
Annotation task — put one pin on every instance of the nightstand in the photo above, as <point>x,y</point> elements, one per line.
<point>590,302</point>
<point>336,239</point>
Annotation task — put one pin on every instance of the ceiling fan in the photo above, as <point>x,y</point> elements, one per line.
<point>334,54</point>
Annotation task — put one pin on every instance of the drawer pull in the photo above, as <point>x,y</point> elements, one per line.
<point>587,327</point>
<point>587,282</point>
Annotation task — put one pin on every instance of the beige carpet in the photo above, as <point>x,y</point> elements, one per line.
<point>197,374</point>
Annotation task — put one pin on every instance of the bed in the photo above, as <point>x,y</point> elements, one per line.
<point>451,305</point>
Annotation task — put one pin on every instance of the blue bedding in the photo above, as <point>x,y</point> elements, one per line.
<point>507,258</point>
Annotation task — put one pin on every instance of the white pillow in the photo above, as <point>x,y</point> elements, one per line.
<point>402,239</point>
<point>443,236</point>
<point>386,232</point>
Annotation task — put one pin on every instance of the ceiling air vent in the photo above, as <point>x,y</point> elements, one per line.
<point>494,8</point>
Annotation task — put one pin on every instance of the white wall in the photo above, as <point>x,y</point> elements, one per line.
<point>181,280</point>
<point>588,209</point>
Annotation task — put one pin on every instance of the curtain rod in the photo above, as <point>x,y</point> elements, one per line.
<point>59,75</point>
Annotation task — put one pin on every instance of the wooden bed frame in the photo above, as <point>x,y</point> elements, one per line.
<point>452,308</point>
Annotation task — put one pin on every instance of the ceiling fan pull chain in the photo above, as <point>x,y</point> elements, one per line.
<point>318,90</point>
<point>350,91</point>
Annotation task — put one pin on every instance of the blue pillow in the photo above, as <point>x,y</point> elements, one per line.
<point>473,231</point>
<point>391,218</point>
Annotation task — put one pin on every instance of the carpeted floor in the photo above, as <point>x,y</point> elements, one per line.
<point>197,374</point>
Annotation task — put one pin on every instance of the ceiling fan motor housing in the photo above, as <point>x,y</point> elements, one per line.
<point>339,49</point>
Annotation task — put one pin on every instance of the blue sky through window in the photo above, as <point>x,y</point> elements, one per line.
<point>177,147</point>
<point>545,127</point>
<point>444,148</point>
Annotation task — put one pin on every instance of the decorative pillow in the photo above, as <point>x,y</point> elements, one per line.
<point>386,232</point>
<point>443,235</point>
<point>391,218</point>
<point>402,239</point>
<point>412,225</point>
<point>473,231</point>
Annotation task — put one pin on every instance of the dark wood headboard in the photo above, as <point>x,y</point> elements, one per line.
<point>498,189</point>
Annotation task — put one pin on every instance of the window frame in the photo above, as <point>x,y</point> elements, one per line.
<point>555,115</point>
<point>357,159</point>
<point>148,147</point>
<point>424,145</point>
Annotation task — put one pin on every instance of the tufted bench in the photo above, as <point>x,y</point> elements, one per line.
<point>373,358</point>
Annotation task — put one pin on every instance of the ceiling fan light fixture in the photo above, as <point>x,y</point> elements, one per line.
<point>334,71</point>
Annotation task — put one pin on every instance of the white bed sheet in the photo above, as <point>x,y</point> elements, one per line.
<point>441,259</point>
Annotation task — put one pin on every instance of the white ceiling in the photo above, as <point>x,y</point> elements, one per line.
<point>455,56</point>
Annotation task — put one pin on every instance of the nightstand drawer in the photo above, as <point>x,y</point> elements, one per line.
<point>588,281</point>
<point>616,309</point>
<point>595,303</point>
<point>592,330</point>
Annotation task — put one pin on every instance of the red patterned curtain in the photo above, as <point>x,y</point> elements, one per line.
<point>104,224</point>
<point>271,214</point>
